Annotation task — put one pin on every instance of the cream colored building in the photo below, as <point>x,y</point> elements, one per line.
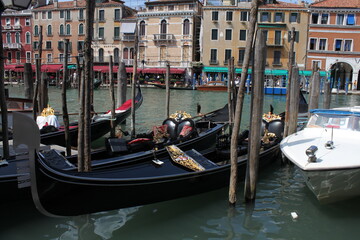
<point>169,31</point>
<point>66,20</point>
<point>225,33</point>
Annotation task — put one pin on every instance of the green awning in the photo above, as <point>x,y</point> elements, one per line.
<point>274,72</point>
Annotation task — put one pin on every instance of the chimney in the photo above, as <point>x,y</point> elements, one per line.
<point>56,4</point>
<point>75,3</point>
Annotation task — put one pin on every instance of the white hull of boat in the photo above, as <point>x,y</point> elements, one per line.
<point>333,186</point>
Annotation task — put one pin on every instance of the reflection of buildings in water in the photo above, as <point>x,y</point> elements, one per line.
<point>97,225</point>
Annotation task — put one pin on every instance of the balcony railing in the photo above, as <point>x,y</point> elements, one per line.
<point>274,42</point>
<point>7,27</point>
<point>17,27</point>
<point>213,62</point>
<point>128,38</point>
<point>12,46</point>
<point>164,37</point>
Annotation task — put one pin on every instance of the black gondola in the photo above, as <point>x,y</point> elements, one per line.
<point>99,126</point>
<point>58,189</point>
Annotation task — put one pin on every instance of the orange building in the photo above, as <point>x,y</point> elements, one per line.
<point>334,41</point>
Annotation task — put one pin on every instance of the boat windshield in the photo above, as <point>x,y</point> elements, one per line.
<point>334,121</point>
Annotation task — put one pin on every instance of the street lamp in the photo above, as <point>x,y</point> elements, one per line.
<point>15,5</point>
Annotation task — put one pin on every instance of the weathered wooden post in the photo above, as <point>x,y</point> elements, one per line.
<point>84,154</point>
<point>288,88</point>
<point>167,84</point>
<point>28,81</point>
<point>231,72</point>
<point>43,98</point>
<point>294,101</point>
<point>64,99</point>
<point>38,77</point>
<point>112,97</point>
<point>257,102</point>
<point>239,102</point>
<point>315,92</point>
<point>327,95</point>
<point>134,81</point>
<point>78,74</point>
<point>122,84</point>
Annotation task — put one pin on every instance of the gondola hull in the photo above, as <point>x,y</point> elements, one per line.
<point>62,193</point>
<point>98,128</point>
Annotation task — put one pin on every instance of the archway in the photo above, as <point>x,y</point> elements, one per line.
<point>341,75</point>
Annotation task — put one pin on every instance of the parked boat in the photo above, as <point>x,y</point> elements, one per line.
<point>58,189</point>
<point>326,152</point>
<point>213,86</point>
<point>14,177</point>
<point>100,125</point>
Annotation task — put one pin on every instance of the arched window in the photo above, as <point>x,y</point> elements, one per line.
<point>36,30</point>
<point>68,29</point>
<point>163,27</point>
<point>17,37</point>
<point>101,55</point>
<point>126,53</point>
<point>131,53</point>
<point>81,29</point>
<point>8,37</point>
<point>49,30</point>
<point>142,28</point>
<point>61,32</point>
<point>116,55</point>
<point>186,27</point>
<point>28,38</point>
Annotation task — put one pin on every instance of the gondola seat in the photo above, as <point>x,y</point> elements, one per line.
<point>172,127</point>
<point>186,129</point>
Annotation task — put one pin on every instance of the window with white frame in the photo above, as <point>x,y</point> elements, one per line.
<point>314,18</point>
<point>244,16</point>
<point>8,37</point>
<point>117,14</point>
<point>28,57</point>
<point>214,34</point>
<point>213,56</point>
<point>49,58</point>
<point>340,17</point>
<point>312,43</point>
<point>62,14</point>
<point>316,63</point>
<point>8,21</point>
<point>49,14</point>
<point>348,45</point>
<point>27,21</point>
<point>27,38</point>
<point>265,17</point>
<point>279,17</point>
<point>215,15</point>
<point>142,28</point>
<point>81,14</point>
<point>242,35</point>
<point>68,29</point>
<point>43,15</point>
<point>338,45</point>
<point>186,27</point>
<point>61,57</point>
<point>324,18</point>
<point>17,22</point>
<point>350,19</point>
<point>68,15</point>
<point>101,33</point>
<point>17,37</point>
<point>81,29</point>
<point>101,15</point>
<point>49,30</point>
<point>229,16</point>
<point>18,56</point>
<point>323,44</point>
<point>228,34</point>
<point>227,55</point>
<point>294,17</point>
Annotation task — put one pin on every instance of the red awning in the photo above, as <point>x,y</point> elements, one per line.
<point>101,68</point>
<point>9,67</point>
<point>51,67</point>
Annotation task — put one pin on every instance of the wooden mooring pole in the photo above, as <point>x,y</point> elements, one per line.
<point>231,73</point>
<point>134,81</point>
<point>314,91</point>
<point>112,97</point>
<point>167,85</point>
<point>327,95</point>
<point>239,103</point>
<point>64,101</point>
<point>122,84</point>
<point>294,101</point>
<point>257,102</point>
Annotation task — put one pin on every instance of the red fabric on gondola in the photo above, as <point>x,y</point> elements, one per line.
<point>9,67</point>
<point>126,105</point>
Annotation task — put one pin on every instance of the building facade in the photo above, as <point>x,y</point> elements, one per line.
<point>225,33</point>
<point>334,41</point>
<point>169,32</point>
<point>66,20</point>
<point>16,35</point>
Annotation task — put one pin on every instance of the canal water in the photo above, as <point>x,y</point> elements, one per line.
<point>280,192</point>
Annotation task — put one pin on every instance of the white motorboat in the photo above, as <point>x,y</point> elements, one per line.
<point>326,151</point>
